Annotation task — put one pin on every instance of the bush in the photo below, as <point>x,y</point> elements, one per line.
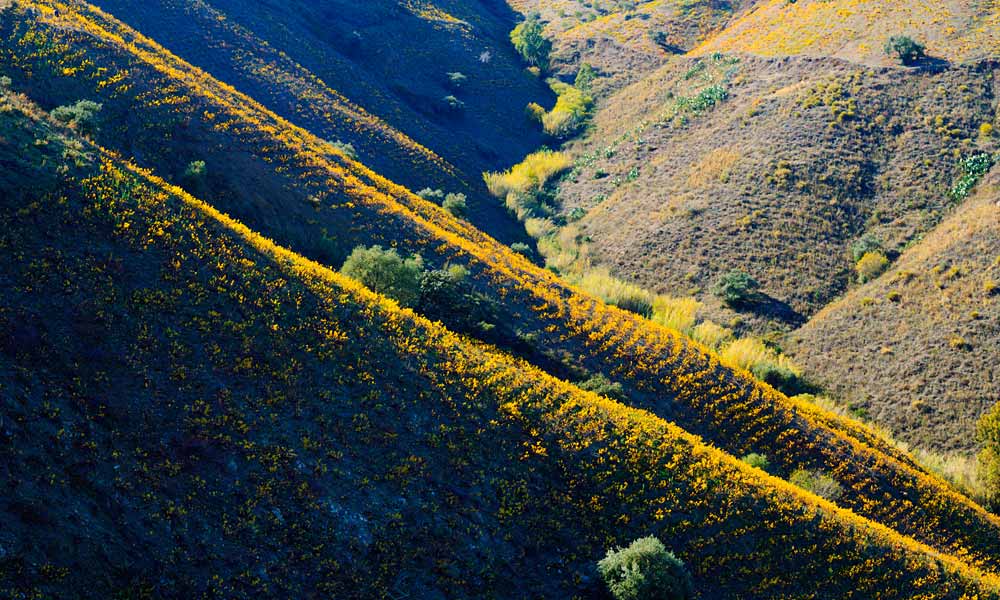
<point>456,80</point>
<point>570,112</point>
<point>864,245</point>
<point>455,204</point>
<point>452,104</point>
<point>585,77</point>
<point>346,149</point>
<point>5,82</point>
<point>82,115</point>
<point>988,434</point>
<point>531,174</point>
<point>908,50</point>
<point>818,483</point>
<point>645,571</point>
<point>521,248</point>
<point>758,461</point>
<point>871,265</point>
<point>436,196</point>
<point>386,272</point>
<point>973,168</point>
<point>639,304</point>
<point>447,296</point>
<point>529,41</point>
<point>736,288</point>
<point>601,385</point>
<point>195,178</point>
<point>783,379</point>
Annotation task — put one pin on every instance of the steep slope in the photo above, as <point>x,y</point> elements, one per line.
<point>217,416</point>
<point>916,348</point>
<point>625,40</point>
<point>774,167</point>
<point>952,30</point>
<point>312,192</point>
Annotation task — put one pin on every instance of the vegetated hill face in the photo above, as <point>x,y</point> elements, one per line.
<point>952,30</point>
<point>774,167</point>
<point>312,194</point>
<point>373,74</point>
<point>625,40</point>
<point>217,417</point>
<point>917,348</point>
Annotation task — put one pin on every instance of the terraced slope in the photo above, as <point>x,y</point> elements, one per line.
<point>624,41</point>
<point>916,348</point>
<point>317,193</point>
<point>772,166</point>
<point>952,30</point>
<point>201,422</point>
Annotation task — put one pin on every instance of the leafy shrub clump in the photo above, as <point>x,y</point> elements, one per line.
<point>455,204</point>
<point>569,114</point>
<point>195,178</point>
<point>783,378</point>
<point>906,48</point>
<point>585,77</point>
<point>818,483</point>
<point>456,80</point>
<point>530,174</point>
<point>530,42</point>
<point>645,571</point>
<point>346,149</point>
<point>758,461</point>
<point>82,115</point>
<point>973,168</point>
<point>871,265</point>
<point>446,295</point>
<point>521,248</point>
<point>865,244</point>
<point>386,272</point>
<point>736,288</point>
<point>601,385</point>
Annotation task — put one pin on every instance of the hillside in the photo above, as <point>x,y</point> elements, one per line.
<point>374,75</point>
<point>916,348</point>
<point>258,392</point>
<point>313,194</point>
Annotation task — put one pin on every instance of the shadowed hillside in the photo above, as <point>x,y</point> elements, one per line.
<point>318,194</point>
<point>201,422</point>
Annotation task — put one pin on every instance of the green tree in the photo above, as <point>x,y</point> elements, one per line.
<point>645,571</point>
<point>907,49</point>
<point>585,77</point>
<point>736,288</point>
<point>988,434</point>
<point>82,115</point>
<point>386,272</point>
<point>530,42</point>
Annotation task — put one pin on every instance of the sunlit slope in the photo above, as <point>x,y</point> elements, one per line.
<point>952,30</point>
<point>916,348</point>
<point>317,194</point>
<point>216,416</point>
<point>781,166</point>
<point>624,40</point>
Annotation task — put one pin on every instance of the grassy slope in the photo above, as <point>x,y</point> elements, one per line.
<point>661,371</point>
<point>916,348</point>
<point>617,38</point>
<point>321,77</point>
<point>953,30</point>
<point>803,157</point>
<point>201,422</point>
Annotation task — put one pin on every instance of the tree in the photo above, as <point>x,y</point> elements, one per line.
<point>735,288</point>
<point>585,77</point>
<point>195,178</point>
<point>645,571</point>
<point>386,272</point>
<point>530,42</point>
<point>988,434</point>
<point>908,50</point>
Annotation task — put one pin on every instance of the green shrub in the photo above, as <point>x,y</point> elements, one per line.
<point>195,178</point>
<point>904,47</point>
<point>783,379</point>
<point>871,265</point>
<point>452,104</point>
<point>346,149</point>
<point>988,435</point>
<point>570,112</point>
<point>758,461</point>
<point>818,483</point>
<point>645,571</point>
<point>529,41</point>
<point>736,288</point>
<point>447,296</point>
<point>386,272</point>
<point>865,244</point>
<point>436,196</point>
<point>456,80</point>
<point>521,248</point>
<point>639,304</point>
<point>599,384</point>
<point>585,77</point>
<point>82,115</point>
<point>973,168</point>
<point>5,82</point>
<point>455,204</point>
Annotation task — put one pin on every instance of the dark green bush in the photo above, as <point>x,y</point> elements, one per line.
<point>865,244</point>
<point>82,115</point>
<point>906,48</point>
<point>447,296</point>
<point>736,288</point>
<point>585,77</point>
<point>529,40</point>
<point>521,248</point>
<point>455,204</point>
<point>386,272</point>
<point>645,571</point>
<point>818,483</point>
<point>195,178</point>
<point>758,461</point>
<point>347,149</point>
<point>452,104</point>
<point>436,196</point>
<point>601,385</point>
<point>783,379</point>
